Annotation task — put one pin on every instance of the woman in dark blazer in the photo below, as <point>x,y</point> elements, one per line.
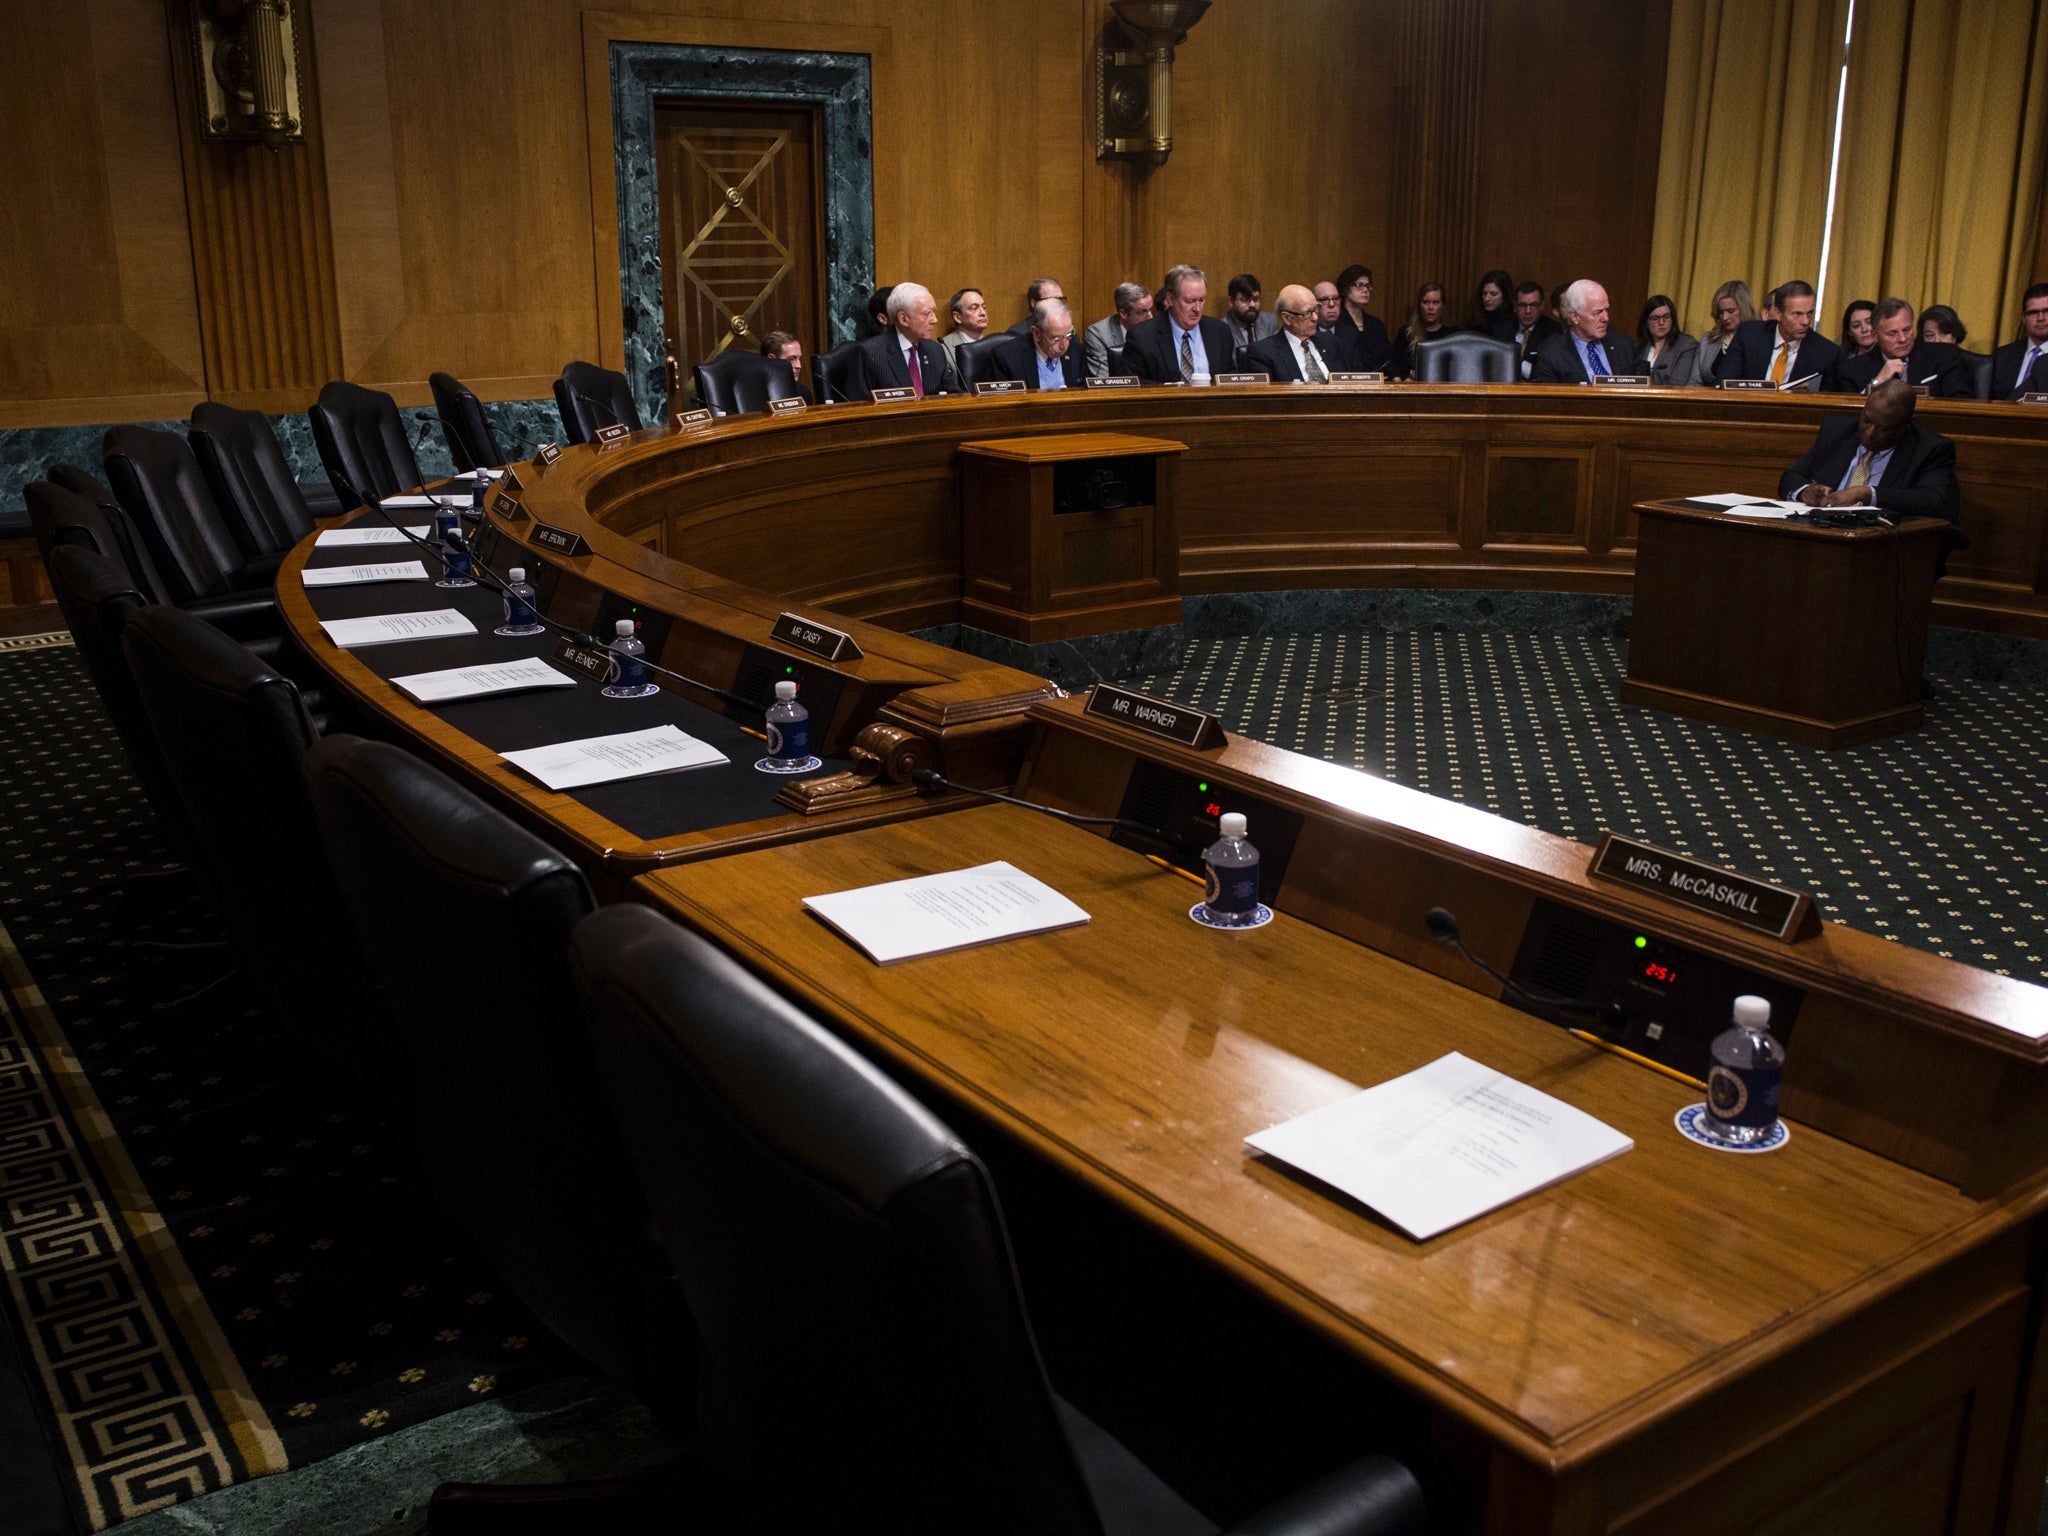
<point>1493,307</point>
<point>1361,339</point>
<point>1425,323</point>
<point>1663,351</point>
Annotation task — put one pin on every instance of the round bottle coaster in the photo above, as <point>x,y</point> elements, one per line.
<point>1688,1122</point>
<point>1200,913</point>
<point>520,629</point>
<point>769,765</point>
<point>645,690</point>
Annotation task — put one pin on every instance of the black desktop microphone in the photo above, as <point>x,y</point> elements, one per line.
<point>1609,1020</point>
<point>603,405</point>
<point>926,778</point>
<point>455,431</point>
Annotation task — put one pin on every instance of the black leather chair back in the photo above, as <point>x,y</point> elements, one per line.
<point>1466,358</point>
<point>1115,357</point>
<point>157,483</point>
<point>976,359</point>
<point>464,426</point>
<point>867,1352</point>
<point>838,373</point>
<point>734,383</point>
<point>130,550</point>
<point>245,469</point>
<point>590,397</point>
<point>466,918</point>
<point>57,517</point>
<point>362,442</point>
<point>79,483</point>
<point>1980,372</point>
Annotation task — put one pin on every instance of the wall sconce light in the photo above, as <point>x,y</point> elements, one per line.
<point>1134,87</point>
<point>247,54</point>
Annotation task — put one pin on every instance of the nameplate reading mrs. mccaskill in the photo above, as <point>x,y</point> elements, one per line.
<point>1155,717</point>
<point>818,639</point>
<point>606,436</point>
<point>507,508</point>
<point>1753,904</point>
<point>561,540</point>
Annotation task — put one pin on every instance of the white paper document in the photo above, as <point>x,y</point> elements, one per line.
<point>384,628</point>
<point>932,914</point>
<point>374,534</point>
<point>474,682</point>
<point>1443,1144</point>
<point>602,759</point>
<point>361,575</point>
<point>1728,499</point>
<point>1751,506</point>
<point>440,499</point>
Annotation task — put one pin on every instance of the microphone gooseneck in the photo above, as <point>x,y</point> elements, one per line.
<point>927,778</point>
<point>1610,1019</point>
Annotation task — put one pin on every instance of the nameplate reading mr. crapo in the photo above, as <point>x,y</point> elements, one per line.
<point>1155,717</point>
<point>1754,904</point>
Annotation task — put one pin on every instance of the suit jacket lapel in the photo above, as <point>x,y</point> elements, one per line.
<point>899,371</point>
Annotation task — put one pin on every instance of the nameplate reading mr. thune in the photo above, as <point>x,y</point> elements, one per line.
<point>1155,717</point>
<point>818,639</point>
<point>1753,904</point>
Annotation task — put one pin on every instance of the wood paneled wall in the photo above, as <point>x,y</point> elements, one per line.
<point>453,206</point>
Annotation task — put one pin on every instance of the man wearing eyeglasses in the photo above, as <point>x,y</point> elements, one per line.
<point>1532,326</point>
<point>1297,353</point>
<point>1044,356</point>
<point>2021,367</point>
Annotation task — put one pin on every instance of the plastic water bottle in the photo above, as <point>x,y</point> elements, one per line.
<point>522,615</point>
<point>456,570</point>
<point>789,729</point>
<point>1742,1085</point>
<point>479,490</point>
<point>1233,863</point>
<point>631,683</point>
<point>447,520</point>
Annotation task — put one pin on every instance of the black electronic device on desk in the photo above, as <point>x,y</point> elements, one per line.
<point>1188,808</point>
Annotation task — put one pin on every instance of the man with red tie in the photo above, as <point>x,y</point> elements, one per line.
<point>906,354</point>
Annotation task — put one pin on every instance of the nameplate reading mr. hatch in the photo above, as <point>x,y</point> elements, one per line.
<point>892,394</point>
<point>1344,376</point>
<point>695,418</point>
<point>594,664</point>
<point>818,639</point>
<point>507,508</point>
<point>1155,717</point>
<point>1753,904</point>
<point>547,455</point>
<point>999,387</point>
<point>785,407</point>
<point>561,540</point>
<point>1747,384</point>
<point>617,431</point>
<point>1241,378</point>
<point>1113,381</point>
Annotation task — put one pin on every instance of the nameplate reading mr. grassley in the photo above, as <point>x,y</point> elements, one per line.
<point>1156,717</point>
<point>1754,904</point>
<point>561,540</point>
<point>818,639</point>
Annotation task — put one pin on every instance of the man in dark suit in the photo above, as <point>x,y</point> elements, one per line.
<point>1787,352</point>
<point>1040,289</point>
<point>2021,367</point>
<point>1532,326</point>
<point>1183,344</point>
<point>1585,348</point>
<point>906,352</point>
<point>1900,354</point>
<point>1878,459</point>
<point>1298,353</point>
<point>1043,357</point>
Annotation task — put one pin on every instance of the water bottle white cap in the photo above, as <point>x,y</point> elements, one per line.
<point>785,689</point>
<point>519,573</point>
<point>623,627</point>
<point>1752,1012</point>
<point>1231,824</point>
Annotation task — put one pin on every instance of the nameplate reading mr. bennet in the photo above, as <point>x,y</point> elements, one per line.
<point>1754,904</point>
<point>1155,717</point>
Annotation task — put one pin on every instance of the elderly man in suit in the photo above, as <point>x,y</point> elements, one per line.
<point>1044,356</point>
<point>1900,354</point>
<point>2021,367</point>
<point>906,353</point>
<point>1586,348</point>
<point>1183,345</point>
<point>1133,309</point>
<point>1788,351</point>
<point>1298,353</point>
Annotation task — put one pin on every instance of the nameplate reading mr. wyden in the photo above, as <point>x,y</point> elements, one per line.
<point>1157,717</point>
<point>1754,904</point>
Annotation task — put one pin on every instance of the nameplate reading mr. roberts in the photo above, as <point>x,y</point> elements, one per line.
<point>2034,397</point>
<point>892,394</point>
<point>1753,904</point>
<point>1747,384</point>
<point>561,540</point>
<point>1343,376</point>
<point>507,508</point>
<point>785,407</point>
<point>695,418</point>
<point>999,387</point>
<point>593,664</point>
<point>1241,378</point>
<point>1622,380</point>
<point>606,436</point>
<point>547,455</point>
<point>1114,381</point>
<point>818,639</point>
<point>1156,717</point>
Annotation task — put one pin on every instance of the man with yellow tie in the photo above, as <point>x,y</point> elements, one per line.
<point>1881,460</point>
<point>1788,351</point>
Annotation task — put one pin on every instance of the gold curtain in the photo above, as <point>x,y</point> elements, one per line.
<point>1749,115</point>
<point>1942,158</point>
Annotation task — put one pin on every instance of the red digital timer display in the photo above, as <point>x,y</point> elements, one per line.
<point>1213,810</point>
<point>1659,972</point>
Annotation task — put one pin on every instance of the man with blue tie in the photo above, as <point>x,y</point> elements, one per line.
<point>2021,367</point>
<point>1585,349</point>
<point>1182,346</point>
<point>1043,357</point>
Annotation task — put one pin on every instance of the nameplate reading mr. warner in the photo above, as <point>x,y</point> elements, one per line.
<point>818,639</point>
<point>1753,904</point>
<point>561,540</point>
<point>1156,717</point>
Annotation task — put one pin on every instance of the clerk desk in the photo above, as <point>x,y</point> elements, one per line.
<point>1839,1336</point>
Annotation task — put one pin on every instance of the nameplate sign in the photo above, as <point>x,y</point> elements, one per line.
<point>892,394</point>
<point>2033,397</point>
<point>1241,378</point>
<point>1921,391</point>
<point>1621,380</point>
<point>561,540</point>
<point>507,508</point>
<point>606,436</point>
<point>1155,717</point>
<point>818,639</point>
<point>786,407</point>
<point>511,481</point>
<point>1757,905</point>
<point>1352,377</point>
<point>999,387</point>
<point>597,665</point>
<point>546,456</point>
<point>695,418</point>
<point>1747,384</point>
<point>1113,381</point>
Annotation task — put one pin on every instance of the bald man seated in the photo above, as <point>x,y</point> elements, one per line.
<point>1586,348</point>
<point>1878,459</point>
<point>1299,353</point>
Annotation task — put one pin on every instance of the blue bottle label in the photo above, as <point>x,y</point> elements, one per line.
<point>1233,891</point>
<point>518,610</point>
<point>632,672</point>
<point>789,738</point>
<point>1745,1096</point>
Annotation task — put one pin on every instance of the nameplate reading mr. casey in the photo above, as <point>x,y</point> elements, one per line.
<point>1156,717</point>
<point>818,639</point>
<point>1754,904</point>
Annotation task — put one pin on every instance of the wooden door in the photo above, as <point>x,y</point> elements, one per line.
<point>740,214</point>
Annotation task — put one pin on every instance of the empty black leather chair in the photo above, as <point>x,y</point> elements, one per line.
<point>464,427</point>
<point>867,1353</point>
<point>363,443</point>
<point>734,383</point>
<point>590,397</point>
<point>245,468</point>
<point>1115,356</point>
<point>158,484</point>
<point>79,482</point>
<point>839,374</point>
<point>976,359</point>
<point>1466,358</point>
<point>466,918</point>
<point>1980,372</point>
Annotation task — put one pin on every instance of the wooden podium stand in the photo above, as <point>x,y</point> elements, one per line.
<point>1068,535</point>
<point>1812,635</point>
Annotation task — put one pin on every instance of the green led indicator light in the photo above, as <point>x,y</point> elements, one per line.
<point>1202,789</point>
<point>790,671</point>
<point>1641,942</point>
